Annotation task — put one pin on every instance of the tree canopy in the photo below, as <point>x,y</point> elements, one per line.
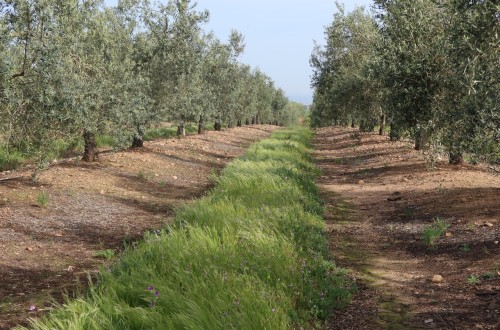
<point>72,68</point>
<point>429,67</point>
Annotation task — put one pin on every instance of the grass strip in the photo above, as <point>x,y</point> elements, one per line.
<point>251,254</point>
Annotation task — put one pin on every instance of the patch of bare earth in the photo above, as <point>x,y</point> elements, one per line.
<point>48,250</point>
<point>380,198</point>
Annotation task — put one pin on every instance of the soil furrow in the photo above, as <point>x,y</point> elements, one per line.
<point>384,202</point>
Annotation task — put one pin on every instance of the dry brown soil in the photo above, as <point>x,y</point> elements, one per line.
<point>380,198</point>
<point>51,249</point>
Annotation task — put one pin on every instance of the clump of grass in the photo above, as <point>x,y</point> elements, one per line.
<point>106,141</point>
<point>465,247</point>
<point>488,276</point>
<point>169,132</point>
<point>142,175</point>
<point>434,231</point>
<point>42,199</point>
<point>249,255</point>
<point>163,132</point>
<point>10,160</point>
<point>105,254</point>
<point>473,279</point>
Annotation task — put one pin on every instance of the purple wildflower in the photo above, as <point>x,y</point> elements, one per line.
<point>150,288</point>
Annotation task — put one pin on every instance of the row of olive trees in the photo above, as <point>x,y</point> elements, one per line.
<point>71,68</point>
<point>429,68</point>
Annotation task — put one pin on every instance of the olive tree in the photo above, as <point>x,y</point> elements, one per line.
<point>346,89</point>
<point>413,33</point>
<point>177,60</point>
<point>469,115</point>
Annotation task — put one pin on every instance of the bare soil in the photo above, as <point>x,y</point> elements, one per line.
<point>380,197</point>
<point>49,248</point>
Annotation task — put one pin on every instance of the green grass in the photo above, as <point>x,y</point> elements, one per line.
<point>42,199</point>
<point>105,140</point>
<point>169,132</point>
<point>22,154</point>
<point>434,231</point>
<point>473,279</point>
<point>10,160</point>
<point>105,254</point>
<point>249,255</point>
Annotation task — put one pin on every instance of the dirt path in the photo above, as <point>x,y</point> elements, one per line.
<point>48,247</point>
<point>381,196</point>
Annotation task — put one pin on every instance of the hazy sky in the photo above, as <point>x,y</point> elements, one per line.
<point>278,34</point>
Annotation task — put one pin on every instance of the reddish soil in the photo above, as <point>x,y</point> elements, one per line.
<point>380,197</point>
<point>47,250</point>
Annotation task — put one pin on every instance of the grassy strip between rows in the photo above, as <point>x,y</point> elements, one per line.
<point>249,255</point>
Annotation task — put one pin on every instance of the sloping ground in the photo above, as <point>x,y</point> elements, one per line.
<point>49,244</point>
<point>381,197</point>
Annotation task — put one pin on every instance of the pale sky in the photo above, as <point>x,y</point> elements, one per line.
<point>278,34</point>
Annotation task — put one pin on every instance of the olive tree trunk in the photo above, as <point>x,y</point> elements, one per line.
<point>90,153</point>
<point>456,158</point>
<point>420,139</point>
<point>217,125</point>
<point>381,130</point>
<point>394,133</point>
<point>181,129</point>
<point>201,126</point>
<point>138,140</point>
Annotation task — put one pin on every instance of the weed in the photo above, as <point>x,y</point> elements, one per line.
<point>441,189</point>
<point>487,276</point>
<point>409,211</point>
<point>465,247</point>
<point>155,294</point>
<point>472,159</point>
<point>127,241</point>
<point>434,231</point>
<point>42,199</point>
<point>170,132</point>
<point>473,279</point>
<point>471,225</point>
<point>144,176</point>
<point>105,254</point>
<point>10,160</point>
<point>106,141</point>
<point>162,183</point>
